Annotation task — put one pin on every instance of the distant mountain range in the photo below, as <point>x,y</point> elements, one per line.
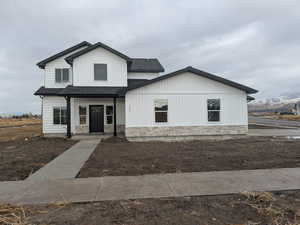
<point>282,103</point>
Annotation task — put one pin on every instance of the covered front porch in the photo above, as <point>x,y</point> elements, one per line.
<point>94,110</point>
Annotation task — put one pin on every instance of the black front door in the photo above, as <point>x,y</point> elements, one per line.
<point>96,118</point>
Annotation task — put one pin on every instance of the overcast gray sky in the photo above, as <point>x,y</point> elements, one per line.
<point>255,42</point>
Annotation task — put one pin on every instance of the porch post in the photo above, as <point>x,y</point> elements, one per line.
<point>115,117</point>
<point>68,117</point>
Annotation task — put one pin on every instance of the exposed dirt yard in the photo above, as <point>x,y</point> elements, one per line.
<point>20,158</point>
<point>133,158</point>
<point>248,208</point>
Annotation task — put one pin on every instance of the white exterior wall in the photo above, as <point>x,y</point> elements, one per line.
<point>148,76</point>
<point>83,69</point>
<point>49,71</point>
<point>187,96</point>
<point>48,104</point>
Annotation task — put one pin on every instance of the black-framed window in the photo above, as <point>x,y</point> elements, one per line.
<point>161,110</point>
<point>62,75</point>
<point>59,115</point>
<point>82,114</point>
<point>109,114</point>
<point>100,72</point>
<point>213,110</point>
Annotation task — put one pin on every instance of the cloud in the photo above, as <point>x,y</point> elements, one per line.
<point>253,42</point>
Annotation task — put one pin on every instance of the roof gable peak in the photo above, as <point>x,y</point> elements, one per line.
<point>43,63</point>
<point>70,58</point>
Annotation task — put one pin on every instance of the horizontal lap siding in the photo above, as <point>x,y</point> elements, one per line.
<point>50,71</point>
<point>48,104</point>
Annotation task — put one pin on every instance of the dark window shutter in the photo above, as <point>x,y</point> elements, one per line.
<point>100,72</point>
<point>65,75</point>
<point>57,75</point>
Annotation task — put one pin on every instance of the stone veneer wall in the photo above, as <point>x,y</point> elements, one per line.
<point>84,129</point>
<point>183,131</point>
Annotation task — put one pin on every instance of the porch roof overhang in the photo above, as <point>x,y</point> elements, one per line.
<point>83,92</point>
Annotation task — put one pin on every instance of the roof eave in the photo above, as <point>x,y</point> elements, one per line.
<point>43,63</point>
<point>70,58</point>
<point>190,69</point>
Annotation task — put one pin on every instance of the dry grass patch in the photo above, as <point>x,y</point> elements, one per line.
<point>12,215</point>
<point>267,206</point>
<point>18,122</point>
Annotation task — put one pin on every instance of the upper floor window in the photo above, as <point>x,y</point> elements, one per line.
<point>213,110</point>
<point>161,110</point>
<point>61,75</point>
<point>100,72</point>
<point>59,115</point>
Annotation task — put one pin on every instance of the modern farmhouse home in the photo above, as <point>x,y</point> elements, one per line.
<point>93,88</point>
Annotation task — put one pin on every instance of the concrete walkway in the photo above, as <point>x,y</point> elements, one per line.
<point>273,122</point>
<point>149,186</point>
<point>68,164</point>
<point>274,132</point>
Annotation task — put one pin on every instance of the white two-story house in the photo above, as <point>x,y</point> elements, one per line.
<point>93,88</point>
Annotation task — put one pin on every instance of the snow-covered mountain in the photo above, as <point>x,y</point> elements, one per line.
<point>284,102</point>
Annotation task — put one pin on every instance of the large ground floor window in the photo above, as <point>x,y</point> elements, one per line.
<point>59,115</point>
<point>161,110</point>
<point>213,110</point>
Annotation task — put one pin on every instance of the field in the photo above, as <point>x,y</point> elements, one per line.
<point>13,129</point>
<point>19,122</point>
<point>275,116</point>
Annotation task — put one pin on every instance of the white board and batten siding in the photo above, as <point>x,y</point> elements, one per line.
<point>83,69</point>
<point>187,96</point>
<point>49,79</point>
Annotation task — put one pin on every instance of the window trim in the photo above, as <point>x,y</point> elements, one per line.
<point>86,113</point>
<point>106,115</point>
<point>214,110</point>
<point>60,115</point>
<point>95,71</point>
<point>167,111</point>
<point>62,81</point>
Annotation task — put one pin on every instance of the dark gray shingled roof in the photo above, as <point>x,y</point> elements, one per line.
<point>70,58</point>
<point>133,64</point>
<point>48,91</point>
<point>82,91</point>
<point>199,73</point>
<point>134,82</point>
<point>42,63</point>
<point>91,91</point>
<point>145,65</point>
<point>88,90</point>
<point>250,98</point>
